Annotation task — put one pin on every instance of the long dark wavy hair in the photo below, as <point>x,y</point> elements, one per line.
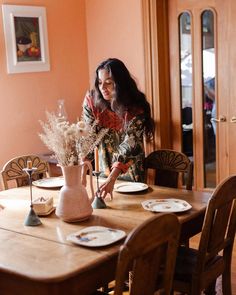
<point>128,97</point>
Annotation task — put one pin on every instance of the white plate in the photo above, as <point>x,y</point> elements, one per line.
<point>96,236</point>
<point>51,182</point>
<point>129,187</point>
<point>166,205</point>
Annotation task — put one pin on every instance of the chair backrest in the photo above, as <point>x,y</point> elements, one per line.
<point>13,170</point>
<point>219,225</point>
<point>169,166</point>
<point>149,248</point>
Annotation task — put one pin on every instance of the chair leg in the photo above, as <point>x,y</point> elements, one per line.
<point>195,287</point>
<point>131,275</point>
<point>185,244</point>
<point>105,289</point>
<point>211,290</point>
<point>226,283</point>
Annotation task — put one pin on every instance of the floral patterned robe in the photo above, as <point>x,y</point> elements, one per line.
<point>122,145</point>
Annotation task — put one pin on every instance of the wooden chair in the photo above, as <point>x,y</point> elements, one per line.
<point>197,270</point>
<point>169,165</point>
<point>148,250</point>
<point>12,170</point>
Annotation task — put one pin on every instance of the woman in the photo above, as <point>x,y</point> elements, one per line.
<point>117,105</point>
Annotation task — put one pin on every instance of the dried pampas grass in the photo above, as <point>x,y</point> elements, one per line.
<point>70,143</point>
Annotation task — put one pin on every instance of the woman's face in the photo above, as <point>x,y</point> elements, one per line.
<point>106,84</point>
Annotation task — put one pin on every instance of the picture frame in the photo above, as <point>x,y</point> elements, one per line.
<point>26,40</point>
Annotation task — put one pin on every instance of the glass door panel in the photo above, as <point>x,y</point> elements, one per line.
<point>186,83</point>
<point>209,99</point>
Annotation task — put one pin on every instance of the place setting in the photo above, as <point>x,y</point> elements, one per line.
<point>96,236</point>
<point>168,205</point>
<point>130,187</point>
<point>50,182</point>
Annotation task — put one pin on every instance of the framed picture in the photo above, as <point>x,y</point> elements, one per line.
<point>25,30</point>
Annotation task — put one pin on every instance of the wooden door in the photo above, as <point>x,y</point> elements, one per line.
<point>222,27</point>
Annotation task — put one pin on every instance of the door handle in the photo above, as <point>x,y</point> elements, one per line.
<point>233,119</point>
<point>221,119</point>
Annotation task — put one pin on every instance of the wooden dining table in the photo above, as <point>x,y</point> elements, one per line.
<point>40,259</point>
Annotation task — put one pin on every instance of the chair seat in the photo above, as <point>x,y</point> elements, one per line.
<point>186,263</point>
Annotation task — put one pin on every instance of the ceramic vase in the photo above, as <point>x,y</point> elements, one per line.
<point>74,203</point>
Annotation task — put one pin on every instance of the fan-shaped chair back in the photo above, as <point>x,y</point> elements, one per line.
<point>13,170</point>
<point>169,166</point>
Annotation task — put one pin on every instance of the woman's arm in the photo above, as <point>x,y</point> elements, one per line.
<point>108,186</point>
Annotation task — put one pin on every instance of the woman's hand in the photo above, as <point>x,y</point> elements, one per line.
<point>107,187</point>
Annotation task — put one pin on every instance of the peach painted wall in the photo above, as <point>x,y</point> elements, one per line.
<point>81,33</point>
<point>114,29</point>
<point>24,97</point>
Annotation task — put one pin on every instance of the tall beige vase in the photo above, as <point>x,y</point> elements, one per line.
<point>74,203</point>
